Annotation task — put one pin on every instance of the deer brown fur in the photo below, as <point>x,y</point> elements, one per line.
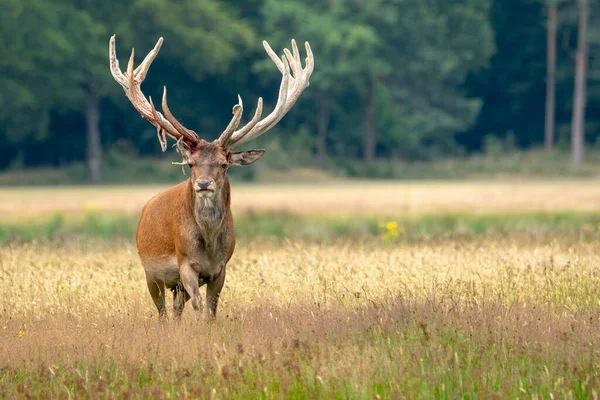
<point>185,235</point>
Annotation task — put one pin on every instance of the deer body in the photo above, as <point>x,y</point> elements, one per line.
<point>185,236</point>
<point>181,255</point>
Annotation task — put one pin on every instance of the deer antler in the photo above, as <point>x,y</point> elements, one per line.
<point>290,89</point>
<point>292,85</point>
<point>131,82</point>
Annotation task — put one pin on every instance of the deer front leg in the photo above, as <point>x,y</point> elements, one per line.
<point>213,290</point>
<point>189,280</point>
<point>157,291</point>
<point>180,296</point>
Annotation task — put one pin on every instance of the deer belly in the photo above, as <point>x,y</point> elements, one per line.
<point>164,269</point>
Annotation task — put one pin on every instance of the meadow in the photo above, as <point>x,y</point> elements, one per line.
<point>341,290</point>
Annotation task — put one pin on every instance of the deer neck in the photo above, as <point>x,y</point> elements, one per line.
<point>209,213</point>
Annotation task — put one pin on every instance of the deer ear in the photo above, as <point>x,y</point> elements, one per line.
<point>244,157</point>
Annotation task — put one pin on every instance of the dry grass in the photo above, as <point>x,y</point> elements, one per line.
<point>103,281</point>
<point>333,199</point>
<point>507,315</point>
<point>445,319</point>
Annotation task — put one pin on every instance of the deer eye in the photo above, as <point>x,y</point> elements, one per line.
<point>224,166</point>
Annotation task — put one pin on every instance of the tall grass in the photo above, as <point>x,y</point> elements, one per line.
<point>493,319</point>
<point>349,291</point>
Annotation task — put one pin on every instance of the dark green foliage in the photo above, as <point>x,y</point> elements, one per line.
<point>445,75</point>
<point>513,87</point>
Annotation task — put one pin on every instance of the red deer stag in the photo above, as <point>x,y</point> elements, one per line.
<point>185,236</point>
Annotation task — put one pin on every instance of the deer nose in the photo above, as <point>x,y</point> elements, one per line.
<point>203,185</point>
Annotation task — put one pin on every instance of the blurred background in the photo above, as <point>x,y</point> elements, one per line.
<point>402,89</point>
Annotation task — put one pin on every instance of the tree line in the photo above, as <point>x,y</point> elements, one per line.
<point>396,79</point>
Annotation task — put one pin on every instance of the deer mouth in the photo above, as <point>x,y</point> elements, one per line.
<point>205,192</point>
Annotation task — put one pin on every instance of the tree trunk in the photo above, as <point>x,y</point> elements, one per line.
<point>323,124</point>
<point>370,139</point>
<point>94,147</point>
<point>19,161</point>
<point>550,75</point>
<point>579,96</point>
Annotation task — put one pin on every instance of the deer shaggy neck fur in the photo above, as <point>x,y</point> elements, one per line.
<point>209,212</point>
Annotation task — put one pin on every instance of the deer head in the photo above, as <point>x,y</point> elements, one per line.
<point>209,161</point>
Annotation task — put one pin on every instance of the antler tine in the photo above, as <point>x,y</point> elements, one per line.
<point>159,130</point>
<point>254,120</point>
<point>274,116</point>
<point>114,63</point>
<point>278,62</point>
<point>292,85</point>
<point>296,53</point>
<point>183,131</point>
<point>131,86</point>
<point>237,111</point>
<point>129,76</point>
<point>131,82</point>
<point>142,69</point>
<point>292,61</point>
<point>300,80</point>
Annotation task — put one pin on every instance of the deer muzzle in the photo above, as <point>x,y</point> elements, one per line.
<point>205,187</point>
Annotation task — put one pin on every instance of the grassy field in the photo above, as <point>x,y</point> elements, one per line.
<point>361,290</point>
<point>374,198</point>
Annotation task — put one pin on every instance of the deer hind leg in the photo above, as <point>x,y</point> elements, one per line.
<point>189,280</point>
<point>180,296</point>
<point>213,291</point>
<point>157,291</point>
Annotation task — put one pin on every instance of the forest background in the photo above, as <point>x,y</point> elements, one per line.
<point>401,88</point>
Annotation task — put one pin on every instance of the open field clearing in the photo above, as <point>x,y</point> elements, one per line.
<point>378,198</point>
<point>318,212</point>
<point>487,319</point>
<point>357,290</point>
